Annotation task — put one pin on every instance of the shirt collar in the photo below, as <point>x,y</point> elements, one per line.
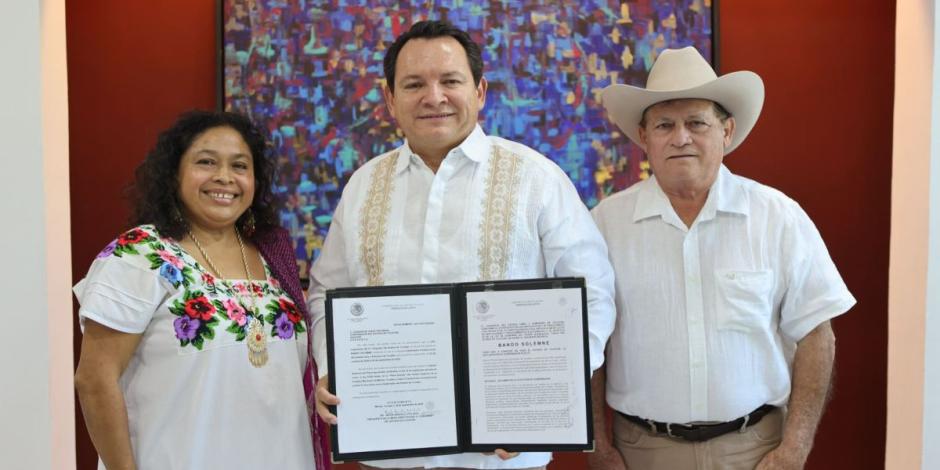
<point>725,195</point>
<point>731,196</point>
<point>651,201</point>
<point>475,147</point>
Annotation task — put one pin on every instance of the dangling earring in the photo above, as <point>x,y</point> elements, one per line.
<point>178,217</point>
<point>248,223</point>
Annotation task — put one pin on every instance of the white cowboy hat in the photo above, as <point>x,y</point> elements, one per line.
<point>684,73</point>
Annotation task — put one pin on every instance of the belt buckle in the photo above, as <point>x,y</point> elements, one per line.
<point>747,418</point>
<point>669,429</point>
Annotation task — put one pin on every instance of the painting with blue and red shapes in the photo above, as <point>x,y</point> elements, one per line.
<point>310,72</point>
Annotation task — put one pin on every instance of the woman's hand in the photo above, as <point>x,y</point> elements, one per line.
<point>325,399</point>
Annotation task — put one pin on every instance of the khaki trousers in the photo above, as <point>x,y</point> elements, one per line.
<point>642,450</point>
<point>369,467</point>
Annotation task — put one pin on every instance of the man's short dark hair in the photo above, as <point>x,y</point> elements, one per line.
<point>431,29</point>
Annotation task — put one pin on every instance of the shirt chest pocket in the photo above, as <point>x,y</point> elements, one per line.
<point>743,299</point>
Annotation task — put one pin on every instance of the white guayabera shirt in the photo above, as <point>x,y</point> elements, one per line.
<point>709,315</point>
<point>495,209</point>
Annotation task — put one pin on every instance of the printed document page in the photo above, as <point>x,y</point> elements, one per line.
<point>526,367</point>
<point>394,373</point>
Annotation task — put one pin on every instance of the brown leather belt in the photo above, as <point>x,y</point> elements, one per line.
<point>700,432</point>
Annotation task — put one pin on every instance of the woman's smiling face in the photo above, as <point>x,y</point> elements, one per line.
<point>216,178</point>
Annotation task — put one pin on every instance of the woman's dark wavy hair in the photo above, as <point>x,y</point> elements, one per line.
<point>155,191</point>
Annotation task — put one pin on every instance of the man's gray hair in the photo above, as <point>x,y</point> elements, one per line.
<point>720,111</point>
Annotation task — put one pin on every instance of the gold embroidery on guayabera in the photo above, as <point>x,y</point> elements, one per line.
<point>499,206</point>
<point>373,219</point>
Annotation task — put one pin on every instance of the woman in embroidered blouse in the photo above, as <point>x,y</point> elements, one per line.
<point>195,351</point>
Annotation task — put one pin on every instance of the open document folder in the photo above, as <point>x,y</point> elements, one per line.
<point>469,367</point>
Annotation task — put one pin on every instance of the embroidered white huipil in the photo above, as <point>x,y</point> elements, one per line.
<point>193,399</point>
<point>495,209</point>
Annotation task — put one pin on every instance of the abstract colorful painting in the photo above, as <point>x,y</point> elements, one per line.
<point>310,72</point>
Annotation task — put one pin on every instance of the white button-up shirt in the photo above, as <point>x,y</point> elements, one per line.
<point>495,209</point>
<point>709,315</point>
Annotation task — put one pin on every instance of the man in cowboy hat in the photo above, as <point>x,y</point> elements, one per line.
<point>722,352</point>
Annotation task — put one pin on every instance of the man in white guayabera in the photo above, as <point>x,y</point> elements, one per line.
<point>453,204</point>
<point>722,352</point>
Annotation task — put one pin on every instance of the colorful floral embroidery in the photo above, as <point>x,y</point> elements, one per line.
<point>132,237</point>
<point>204,301</point>
<point>197,319</point>
<point>108,250</point>
<point>238,314</point>
<point>128,241</point>
<point>164,255</point>
<point>285,318</point>
<point>186,329</point>
<point>171,265</point>
<point>235,312</point>
<point>172,274</point>
<point>283,327</point>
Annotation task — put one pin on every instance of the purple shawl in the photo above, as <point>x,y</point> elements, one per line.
<point>276,248</point>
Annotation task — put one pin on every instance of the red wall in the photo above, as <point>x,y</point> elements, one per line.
<point>133,66</point>
<point>824,138</point>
